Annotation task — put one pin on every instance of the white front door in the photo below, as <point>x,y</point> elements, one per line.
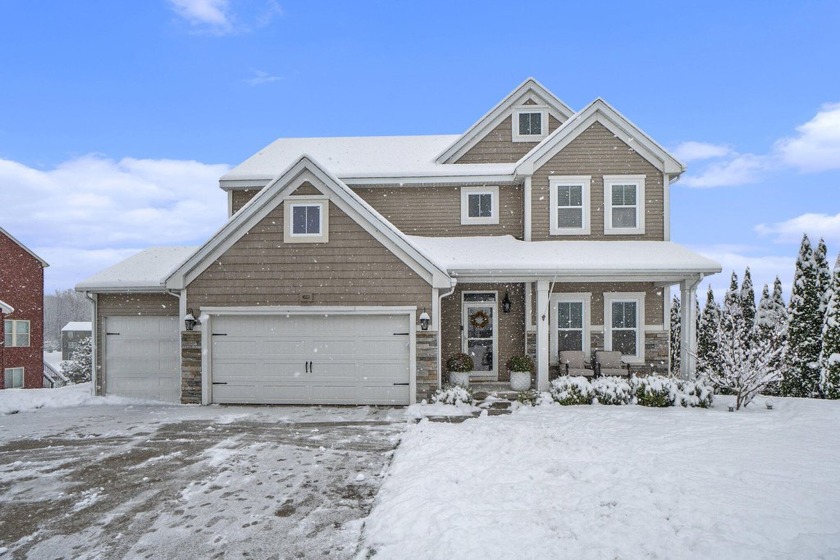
<point>480,328</point>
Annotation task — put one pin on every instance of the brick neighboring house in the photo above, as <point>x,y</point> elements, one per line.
<point>351,268</point>
<point>22,313</point>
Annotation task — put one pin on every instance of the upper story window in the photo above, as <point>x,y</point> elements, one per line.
<point>624,324</point>
<point>530,123</point>
<point>479,205</point>
<point>569,205</point>
<point>17,333</point>
<point>13,378</point>
<point>624,204</point>
<point>307,220</point>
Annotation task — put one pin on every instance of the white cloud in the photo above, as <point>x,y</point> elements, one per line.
<point>695,151</point>
<point>739,169</point>
<point>90,212</point>
<point>817,146</point>
<point>763,268</point>
<point>261,77</point>
<point>211,14</point>
<point>815,225</point>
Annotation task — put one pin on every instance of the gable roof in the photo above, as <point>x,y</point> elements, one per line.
<point>24,247</point>
<point>146,271</point>
<point>491,119</point>
<point>77,326</point>
<point>340,194</point>
<point>604,113</point>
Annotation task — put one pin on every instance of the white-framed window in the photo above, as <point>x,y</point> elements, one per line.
<point>569,205</point>
<point>570,323</point>
<point>530,123</point>
<point>13,378</point>
<point>479,205</point>
<point>307,220</point>
<point>16,333</point>
<point>624,320</point>
<point>624,204</point>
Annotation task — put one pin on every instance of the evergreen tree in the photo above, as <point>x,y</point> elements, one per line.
<point>823,274</point>
<point>79,367</point>
<point>676,332</point>
<point>771,327</point>
<point>708,359</point>
<point>802,369</point>
<point>747,297</point>
<point>830,356</point>
<point>732,299</point>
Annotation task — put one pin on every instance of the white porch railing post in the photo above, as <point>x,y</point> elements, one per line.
<point>688,326</point>
<point>542,335</point>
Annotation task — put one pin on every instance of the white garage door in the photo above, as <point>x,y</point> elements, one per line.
<point>142,357</point>
<point>311,359</point>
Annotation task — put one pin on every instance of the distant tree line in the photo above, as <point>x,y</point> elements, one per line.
<point>775,349</point>
<point>60,308</point>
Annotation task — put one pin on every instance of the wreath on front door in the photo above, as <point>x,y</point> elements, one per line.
<point>479,319</point>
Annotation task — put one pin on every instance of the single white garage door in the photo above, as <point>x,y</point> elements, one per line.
<point>311,359</point>
<point>142,359</point>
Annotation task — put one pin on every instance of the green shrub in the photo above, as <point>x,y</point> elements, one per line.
<point>571,390</point>
<point>612,390</point>
<point>695,393</point>
<point>531,397</point>
<point>520,363</point>
<point>459,362</point>
<point>655,391</point>
<point>453,394</point>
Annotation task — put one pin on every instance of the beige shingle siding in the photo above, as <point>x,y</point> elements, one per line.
<point>436,211</point>
<point>352,269</point>
<point>241,197</point>
<point>597,152</point>
<point>498,145</point>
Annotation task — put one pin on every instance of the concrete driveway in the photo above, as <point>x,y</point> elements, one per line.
<point>190,482</point>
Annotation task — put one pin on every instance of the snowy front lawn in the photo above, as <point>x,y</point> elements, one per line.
<point>616,482</point>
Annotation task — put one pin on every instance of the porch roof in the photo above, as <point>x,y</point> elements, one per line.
<point>145,271</point>
<point>505,257</point>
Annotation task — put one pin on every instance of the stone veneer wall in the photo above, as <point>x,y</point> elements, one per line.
<point>191,367</point>
<point>427,359</point>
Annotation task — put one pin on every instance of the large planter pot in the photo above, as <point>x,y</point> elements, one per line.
<point>461,378</point>
<point>520,380</point>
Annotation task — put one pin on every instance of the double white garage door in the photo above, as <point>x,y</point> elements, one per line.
<point>310,359</point>
<point>267,359</point>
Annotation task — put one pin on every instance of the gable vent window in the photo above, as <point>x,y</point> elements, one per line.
<point>307,220</point>
<point>479,205</point>
<point>530,123</point>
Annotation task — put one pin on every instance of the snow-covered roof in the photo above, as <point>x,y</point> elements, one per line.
<point>500,255</point>
<point>145,271</point>
<point>363,157</point>
<point>77,326</point>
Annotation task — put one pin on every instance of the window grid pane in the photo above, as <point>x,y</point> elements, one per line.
<point>569,325</point>
<point>530,124</point>
<point>570,206</point>
<point>624,206</point>
<point>306,220</point>
<point>480,205</point>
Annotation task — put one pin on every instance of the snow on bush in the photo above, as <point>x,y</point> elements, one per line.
<point>612,390</point>
<point>531,397</point>
<point>453,394</point>
<point>568,390</point>
<point>78,368</point>
<point>653,390</point>
<point>695,393</point>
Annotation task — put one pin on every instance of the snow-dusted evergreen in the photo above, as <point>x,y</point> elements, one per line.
<point>747,297</point>
<point>747,362</point>
<point>708,359</point>
<point>676,332</point>
<point>830,356</point>
<point>823,274</point>
<point>78,367</point>
<point>771,326</point>
<point>802,368</point>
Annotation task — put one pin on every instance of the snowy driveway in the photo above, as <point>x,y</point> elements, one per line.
<point>190,482</point>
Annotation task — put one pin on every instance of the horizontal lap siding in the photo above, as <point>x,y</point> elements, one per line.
<point>240,198</point>
<point>352,269</point>
<point>498,145</point>
<point>436,211</point>
<point>597,152</point>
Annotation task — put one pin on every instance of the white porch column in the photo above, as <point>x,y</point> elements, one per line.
<point>542,335</point>
<point>688,326</point>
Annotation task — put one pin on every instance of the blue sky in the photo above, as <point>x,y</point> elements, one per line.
<point>116,118</point>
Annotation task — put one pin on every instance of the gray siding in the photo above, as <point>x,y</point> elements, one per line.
<point>498,147</point>
<point>597,152</point>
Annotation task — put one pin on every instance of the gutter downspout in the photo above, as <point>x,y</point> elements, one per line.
<point>94,328</point>
<point>440,332</point>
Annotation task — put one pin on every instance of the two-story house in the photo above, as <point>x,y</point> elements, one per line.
<point>351,268</point>
<point>21,314</point>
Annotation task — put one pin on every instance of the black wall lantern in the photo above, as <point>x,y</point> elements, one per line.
<point>506,303</point>
<point>424,320</point>
<point>190,321</point>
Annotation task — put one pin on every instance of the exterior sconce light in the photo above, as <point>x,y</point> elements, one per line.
<point>190,321</point>
<point>506,303</point>
<point>424,320</point>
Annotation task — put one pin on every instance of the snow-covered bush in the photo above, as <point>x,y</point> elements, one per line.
<point>453,394</point>
<point>655,390</point>
<point>78,367</point>
<point>695,393</point>
<point>612,390</point>
<point>531,397</point>
<point>571,390</point>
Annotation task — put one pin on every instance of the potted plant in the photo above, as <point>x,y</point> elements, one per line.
<point>459,367</point>
<point>520,368</point>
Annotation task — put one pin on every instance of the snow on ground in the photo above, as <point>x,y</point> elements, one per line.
<point>13,401</point>
<point>616,482</point>
<point>54,359</point>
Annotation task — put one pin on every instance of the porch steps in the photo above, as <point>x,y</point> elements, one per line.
<point>496,398</point>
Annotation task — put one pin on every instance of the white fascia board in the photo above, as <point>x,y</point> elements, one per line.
<point>243,184</point>
<point>310,310</point>
<point>494,116</point>
<point>395,181</point>
<point>122,289</point>
<point>5,308</point>
<point>530,275</point>
<point>44,263</point>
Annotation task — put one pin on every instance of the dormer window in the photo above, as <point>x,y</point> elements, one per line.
<point>307,220</point>
<point>530,123</point>
<point>479,205</point>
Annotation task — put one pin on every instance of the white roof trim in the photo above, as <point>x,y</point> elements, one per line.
<point>601,111</point>
<point>5,308</point>
<point>494,116</point>
<point>306,169</point>
<point>24,247</point>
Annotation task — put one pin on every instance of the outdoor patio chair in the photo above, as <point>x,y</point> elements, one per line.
<point>574,363</point>
<point>610,363</point>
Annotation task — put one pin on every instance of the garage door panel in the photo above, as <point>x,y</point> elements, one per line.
<point>356,359</point>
